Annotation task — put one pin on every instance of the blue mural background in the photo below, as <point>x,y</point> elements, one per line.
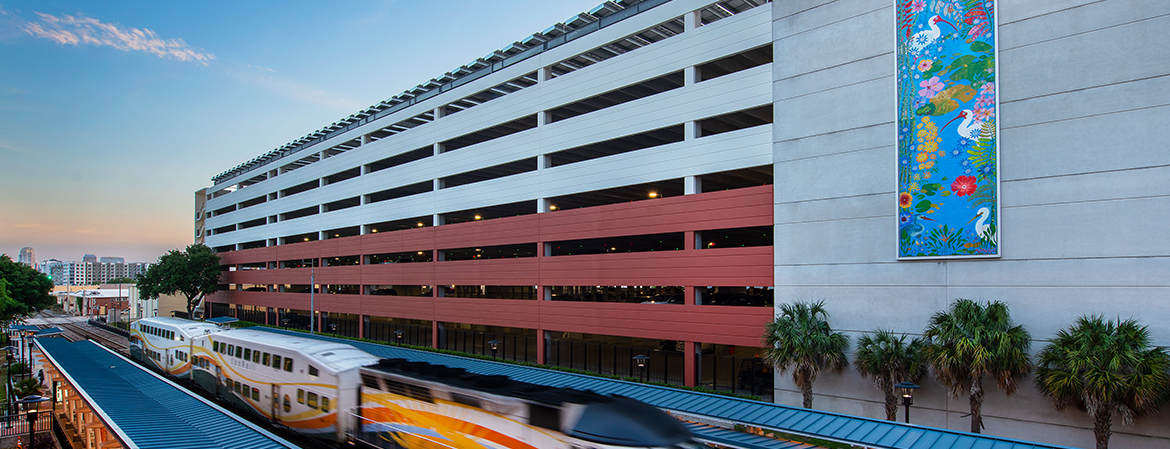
<point>948,184</point>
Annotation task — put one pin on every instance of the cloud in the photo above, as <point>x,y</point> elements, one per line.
<point>81,30</point>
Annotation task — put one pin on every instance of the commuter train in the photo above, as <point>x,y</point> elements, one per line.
<point>338,392</point>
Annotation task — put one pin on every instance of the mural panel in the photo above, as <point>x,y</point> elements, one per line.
<point>948,183</point>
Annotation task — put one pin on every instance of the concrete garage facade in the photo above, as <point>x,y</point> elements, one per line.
<point>1084,90</point>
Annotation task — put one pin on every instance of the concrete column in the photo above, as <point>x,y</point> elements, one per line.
<point>543,118</point>
<point>692,20</point>
<point>322,235</point>
<point>436,219</point>
<point>435,327</point>
<point>690,75</point>
<point>541,348</point>
<point>365,199</point>
<point>365,229</point>
<point>437,185</point>
<point>366,139</point>
<point>689,365</point>
<point>541,205</point>
<point>690,130</point>
<point>365,169</point>
<point>543,74</point>
<point>543,161</point>
<point>438,148</point>
<point>440,112</point>
<point>363,322</point>
<point>692,185</point>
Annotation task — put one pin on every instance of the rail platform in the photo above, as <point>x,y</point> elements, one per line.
<point>100,399</point>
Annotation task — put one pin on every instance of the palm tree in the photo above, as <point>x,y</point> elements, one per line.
<point>1106,367</point>
<point>890,359</point>
<point>801,338</point>
<point>971,341</point>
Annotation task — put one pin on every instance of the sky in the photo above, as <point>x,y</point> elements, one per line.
<point>112,114</point>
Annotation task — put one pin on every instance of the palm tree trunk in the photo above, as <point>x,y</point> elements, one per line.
<point>891,404</point>
<point>804,380</point>
<point>976,405</point>
<point>1102,426</point>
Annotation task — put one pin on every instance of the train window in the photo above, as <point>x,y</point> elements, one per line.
<point>255,394</point>
<point>275,361</point>
<point>287,404</point>
<point>248,354</point>
<point>231,349</point>
<point>215,346</point>
<point>324,404</point>
<point>465,400</point>
<point>313,370</point>
<point>288,364</point>
<point>255,356</point>
<point>544,416</point>
<point>370,381</point>
<point>312,401</point>
<point>300,396</point>
<point>266,359</point>
<point>239,352</point>
<point>245,389</point>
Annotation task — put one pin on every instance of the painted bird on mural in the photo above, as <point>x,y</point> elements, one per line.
<point>926,38</point>
<point>982,227</point>
<point>969,128</point>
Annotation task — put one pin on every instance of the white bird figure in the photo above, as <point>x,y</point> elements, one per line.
<point>982,228</point>
<point>970,128</point>
<point>925,38</point>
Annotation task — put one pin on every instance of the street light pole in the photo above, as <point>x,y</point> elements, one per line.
<point>312,289</point>
<point>907,389</point>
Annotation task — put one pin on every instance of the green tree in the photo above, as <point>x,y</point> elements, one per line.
<point>1106,367</point>
<point>121,280</point>
<point>193,272</point>
<point>971,341</point>
<point>28,289</point>
<point>801,339</point>
<point>890,359</point>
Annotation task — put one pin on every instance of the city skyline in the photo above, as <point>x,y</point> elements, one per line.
<point>113,115</point>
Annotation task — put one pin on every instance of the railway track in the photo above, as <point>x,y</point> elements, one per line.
<point>77,328</point>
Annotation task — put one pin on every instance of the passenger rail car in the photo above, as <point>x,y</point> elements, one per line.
<point>299,382</point>
<point>168,343</point>
<point>419,405</point>
<point>335,391</point>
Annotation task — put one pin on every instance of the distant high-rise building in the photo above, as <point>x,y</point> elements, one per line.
<point>89,258</point>
<point>89,272</point>
<point>27,257</point>
<point>200,217</point>
<point>112,260</point>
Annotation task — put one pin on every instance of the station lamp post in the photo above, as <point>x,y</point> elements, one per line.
<point>907,390</point>
<point>31,404</point>
<point>641,359</point>
<point>495,344</point>
<point>8,386</point>
<point>398,336</point>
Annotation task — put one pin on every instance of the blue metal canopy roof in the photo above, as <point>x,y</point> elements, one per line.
<point>144,410</point>
<point>222,320</point>
<point>815,423</point>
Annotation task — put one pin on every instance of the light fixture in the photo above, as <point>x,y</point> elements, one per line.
<point>375,231</point>
<point>552,207</point>
<point>477,217</point>
<point>420,253</point>
<point>306,239</point>
<point>907,390</point>
<point>653,194</point>
<point>420,225</point>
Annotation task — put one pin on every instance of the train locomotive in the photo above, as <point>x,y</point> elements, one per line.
<point>338,392</point>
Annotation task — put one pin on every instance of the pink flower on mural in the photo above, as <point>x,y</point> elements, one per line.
<point>930,87</point>
<point>963,185</point>
<point>982,114</point>
<point>917,6</point>
<point>987,89</point>
<point>925,65</point>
